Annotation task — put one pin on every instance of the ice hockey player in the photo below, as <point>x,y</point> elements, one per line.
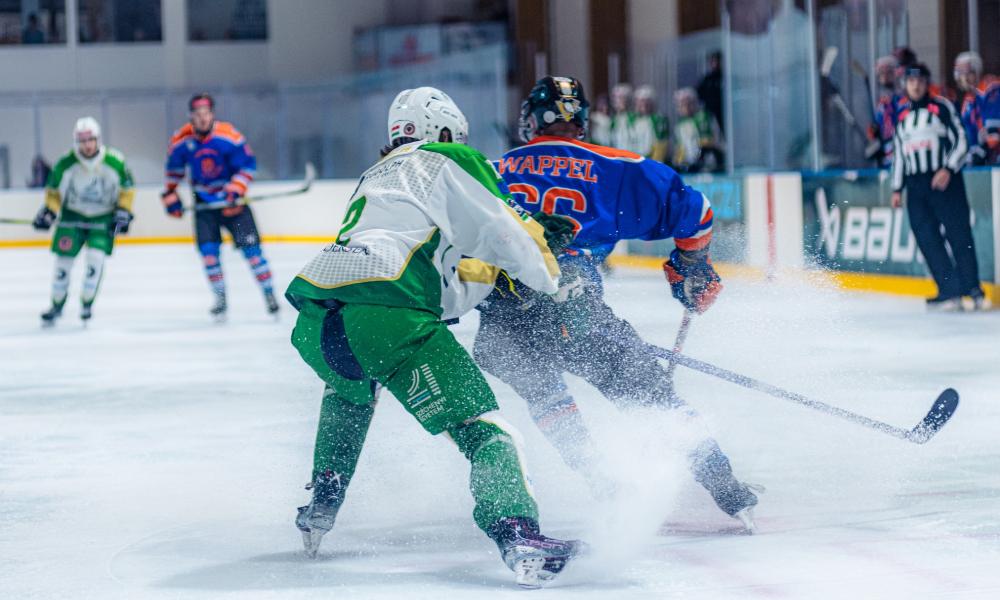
<point>370,315</point>
<point>91,190</point>
<point>221,166</point>
<point>529,341</point>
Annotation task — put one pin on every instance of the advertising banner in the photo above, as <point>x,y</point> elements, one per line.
<point>849,225</point>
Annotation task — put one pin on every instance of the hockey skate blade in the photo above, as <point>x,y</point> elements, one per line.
<point>528,573</point>
<point>942,411</point>
<point>311,541</point>
<point>745,517</point>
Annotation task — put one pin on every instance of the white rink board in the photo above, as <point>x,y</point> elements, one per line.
<point>156,455</point>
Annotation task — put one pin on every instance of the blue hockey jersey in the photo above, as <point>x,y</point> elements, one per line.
<point>217,163</point>
<point>609,194</point>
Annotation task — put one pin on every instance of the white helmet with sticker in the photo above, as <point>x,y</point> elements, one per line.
<point>423,113</point>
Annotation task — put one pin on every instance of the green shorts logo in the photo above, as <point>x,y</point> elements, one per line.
<point>418,393</point>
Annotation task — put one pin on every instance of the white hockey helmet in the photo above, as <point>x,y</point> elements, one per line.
<point>422,113</point>
<point>86,127</point>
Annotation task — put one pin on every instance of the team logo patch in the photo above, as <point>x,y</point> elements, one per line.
<point>65,243</point>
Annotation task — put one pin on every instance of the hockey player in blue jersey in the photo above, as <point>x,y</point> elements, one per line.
<point>221,166</point>
<point>529,341</point>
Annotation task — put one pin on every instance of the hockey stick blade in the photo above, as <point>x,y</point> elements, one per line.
<point>942,411</point>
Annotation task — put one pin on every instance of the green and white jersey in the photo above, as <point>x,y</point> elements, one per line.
<point>414,215</point>
<point>91,187</point>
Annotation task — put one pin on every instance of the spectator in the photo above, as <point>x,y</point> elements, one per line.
<point>697,139</point>
<point>980,109</point>
<point>710,89</point>
<point>650,130</point>
<point>33,33</point>
<point>886,109</point>
<point>599,130</point>
<point>621,116</point>
<point>39,172</point>
<point>929,152</point>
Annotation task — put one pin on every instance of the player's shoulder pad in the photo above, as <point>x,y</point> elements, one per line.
<point>227,131</point>
<point>66,161</point>
<point>114,155</point>
<point>186,130</point>
<point>602,151</point>
<point>456,152</point>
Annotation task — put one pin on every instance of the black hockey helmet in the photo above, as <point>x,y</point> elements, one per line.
<point>918,70</point>
<point>201,99</point>
<point>553,100</point>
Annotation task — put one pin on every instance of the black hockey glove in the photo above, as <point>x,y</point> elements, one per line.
<point>559,231</point>
<point>120,222</point>
<point>44,219</point>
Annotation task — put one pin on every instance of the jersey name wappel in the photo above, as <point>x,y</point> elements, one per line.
<point>554,166</point>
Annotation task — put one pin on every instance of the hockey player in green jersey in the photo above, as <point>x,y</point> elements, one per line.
<point>372,310</point>
<point>91,191</point>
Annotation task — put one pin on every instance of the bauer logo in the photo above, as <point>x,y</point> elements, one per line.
<point>848,225</point>
<point>863,233</point>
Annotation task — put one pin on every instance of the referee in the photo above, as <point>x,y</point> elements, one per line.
<point>929,149</point>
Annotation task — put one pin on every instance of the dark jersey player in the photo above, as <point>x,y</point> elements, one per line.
<point>221,166</point>
<point>529,340</point>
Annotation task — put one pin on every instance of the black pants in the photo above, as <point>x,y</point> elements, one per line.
<point>208,226</point>
<point>956,274</point>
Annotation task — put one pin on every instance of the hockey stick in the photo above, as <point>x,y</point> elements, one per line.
<point>82,225</point>
<point>682,333</point>
<point>942,410</point>
<point>874,147</point>
<point>860,71</point>
<point>303,188</point>
<point>75,224</point>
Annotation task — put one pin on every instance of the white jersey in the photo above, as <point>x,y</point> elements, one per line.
<point>414,215</point>
<point>90,187</point>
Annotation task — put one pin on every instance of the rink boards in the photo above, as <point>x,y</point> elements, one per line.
<point>834,222</point>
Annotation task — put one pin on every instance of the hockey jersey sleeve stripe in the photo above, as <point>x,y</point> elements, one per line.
<point>53,201</point>
<point>126,197</point>
<point>237,186</point>
<point>698,242</point>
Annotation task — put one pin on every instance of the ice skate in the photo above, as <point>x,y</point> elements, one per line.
<point>535,559</point>
<point>939,304</point>
<point>86,313</point>
<point>272,304</point>
<point>745,515</point>
<point>49,317</point>
<point>316,519</point>
<point>979,301</point>
<point>218,310</point>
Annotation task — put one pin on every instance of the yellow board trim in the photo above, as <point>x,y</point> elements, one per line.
<point>864,282</point>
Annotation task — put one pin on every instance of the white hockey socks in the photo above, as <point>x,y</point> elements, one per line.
<point>92,278</point>
<point>60,279</point>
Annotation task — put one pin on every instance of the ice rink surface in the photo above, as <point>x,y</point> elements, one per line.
<point>158,455</point>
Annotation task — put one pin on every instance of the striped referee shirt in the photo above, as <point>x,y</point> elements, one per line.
<point>928,136</point>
